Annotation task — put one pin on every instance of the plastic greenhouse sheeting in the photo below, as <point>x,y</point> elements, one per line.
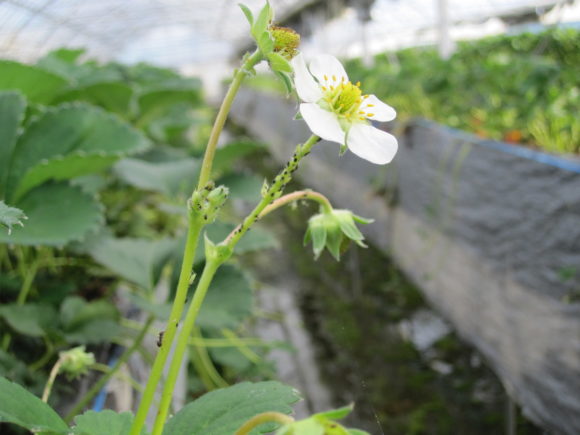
<point>183,33</point>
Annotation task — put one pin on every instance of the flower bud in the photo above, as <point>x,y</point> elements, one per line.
<point>207,202</point>
<point>76,361</point>
<point>334,230</point>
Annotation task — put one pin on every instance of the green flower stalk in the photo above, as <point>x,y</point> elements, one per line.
<point>334,230</point>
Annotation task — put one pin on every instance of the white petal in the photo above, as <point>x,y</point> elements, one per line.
<point>372,144</point>
<point>379,110</point>
<point>328,70</point>
<point>307,88</point>
<point>322,123</point>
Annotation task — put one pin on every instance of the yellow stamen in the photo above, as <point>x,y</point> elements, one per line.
<point>370,114</point>
<point>362,118</point>
<point>331,88</point>
<point>333,78</point>
<point>361,113</point>
<point>323,88</point>
<point>370,105</point>
<point>358,84</point>
<point>325,77</point>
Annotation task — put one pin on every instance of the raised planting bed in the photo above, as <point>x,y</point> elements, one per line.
<point>489,231</point>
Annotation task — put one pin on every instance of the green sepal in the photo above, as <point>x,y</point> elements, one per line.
<point>279,63</point>
<point>298,116</point>
<point>248,13</point>
<point>347,225</point>
<point>265,43</point>
<point>319,235</point>
<point>337,414</point>
<point>261,23</point>
<point>286,80</point>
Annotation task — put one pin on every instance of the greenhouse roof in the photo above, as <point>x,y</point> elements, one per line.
<point>183,33</point>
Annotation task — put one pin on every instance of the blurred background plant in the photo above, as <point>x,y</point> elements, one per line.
<point>101,158</point>
<point>471,91</point>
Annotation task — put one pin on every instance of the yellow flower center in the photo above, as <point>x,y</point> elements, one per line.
<point>344,98</point>
<point>286,41</point>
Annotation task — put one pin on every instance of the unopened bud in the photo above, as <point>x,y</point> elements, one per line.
<point>76,361</point>
<point>218,196</point>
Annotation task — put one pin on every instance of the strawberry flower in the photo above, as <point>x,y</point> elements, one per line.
<point>336,109</point>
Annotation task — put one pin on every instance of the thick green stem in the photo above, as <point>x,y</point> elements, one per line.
<point>193,235</point>
<point>296,196</point>
<point>208,273</point>
<point>174,317</point>
<point>273,191</point>
<point>265,417</point>
<point>105,378</point>
<point>222,115</point>
<point>182,342</point>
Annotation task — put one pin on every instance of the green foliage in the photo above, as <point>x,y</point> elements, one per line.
<point>22,408</point>
<point>227,155</point>
<point>33,320</point>
<point>139,261</point>
<point>38,85</point>
<point>57,214</point>
<point>229,300</point>
<point>113,96</point>
<point>66,142</point>
<point>88,322</point>
<point>105,422</point>
<point>169,178</point>
<point>12,106</point>
<point>222,412</point>
<point>536,106</point>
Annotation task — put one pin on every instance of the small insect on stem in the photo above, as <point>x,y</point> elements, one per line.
<point>160,338</point>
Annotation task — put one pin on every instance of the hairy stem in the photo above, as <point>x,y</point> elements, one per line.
<point>296,196</point>
<point>208,273</point>
<point>171,327</point>
<point>182,342</point>
<point>109,374</point>
<point>222,116</point>
<point>194,230</point>
<point>265,417</point>
<point>274,191</point>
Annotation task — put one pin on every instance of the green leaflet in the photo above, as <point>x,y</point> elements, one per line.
<point>170,178</point>
<point>68,141</point>
<point>12,107</point>
<point>38,85</point>
<point>30,319</point>
<point>24,409</point>
<point>57,214</point>
<point>222,412</point>
<point>113,96</point>
<point>105,422</point>
<point>229,301</point>
<point>137,260</point>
